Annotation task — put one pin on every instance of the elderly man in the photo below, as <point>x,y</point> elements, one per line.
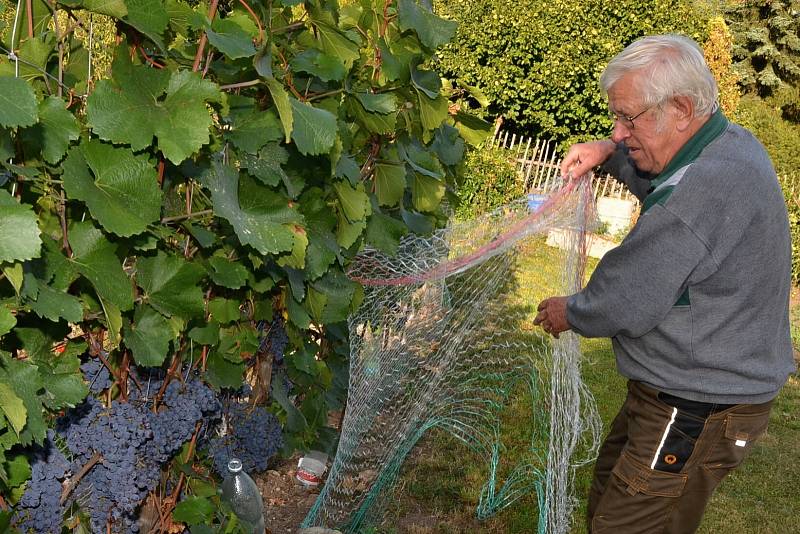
<point>695,298</point>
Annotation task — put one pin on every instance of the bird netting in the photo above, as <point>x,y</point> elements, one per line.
<point>444,338</point>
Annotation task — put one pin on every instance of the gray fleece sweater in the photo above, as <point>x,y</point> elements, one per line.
<point>696,297</point>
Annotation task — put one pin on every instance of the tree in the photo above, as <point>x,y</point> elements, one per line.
<point>767,44</point>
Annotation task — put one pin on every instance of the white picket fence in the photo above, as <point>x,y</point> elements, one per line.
<point>538,164</point>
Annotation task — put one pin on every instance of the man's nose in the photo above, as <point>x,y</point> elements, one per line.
<point>620,132</point>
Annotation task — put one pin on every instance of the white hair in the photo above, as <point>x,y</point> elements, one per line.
<point>665,66</point>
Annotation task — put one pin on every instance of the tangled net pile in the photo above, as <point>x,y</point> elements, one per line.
<point>444,338</point>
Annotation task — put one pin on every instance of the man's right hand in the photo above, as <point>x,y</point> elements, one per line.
<point>583,157</point>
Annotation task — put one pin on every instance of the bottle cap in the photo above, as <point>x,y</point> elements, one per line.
<point>234,465</point>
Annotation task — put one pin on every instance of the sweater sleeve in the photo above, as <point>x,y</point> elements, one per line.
<point>635,285</point>
<point>621,168</point>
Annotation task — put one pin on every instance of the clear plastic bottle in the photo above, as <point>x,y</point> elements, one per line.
<point>242,495</point>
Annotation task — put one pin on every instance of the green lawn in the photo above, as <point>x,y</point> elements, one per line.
<point>440,482</point>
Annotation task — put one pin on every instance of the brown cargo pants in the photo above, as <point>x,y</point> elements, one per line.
<point>664,457</point>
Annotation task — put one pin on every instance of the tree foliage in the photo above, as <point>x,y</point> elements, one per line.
<point>717,51</point>
<point>537,62</point>
<point>218,180</point>
<point>767,44</point>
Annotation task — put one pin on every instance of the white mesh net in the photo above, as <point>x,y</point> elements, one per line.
<point>444,337</point>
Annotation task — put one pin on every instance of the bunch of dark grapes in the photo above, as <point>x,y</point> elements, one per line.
<point>253,435</point>
<point>96,374</point>
<point>119,481</point>
<point>39,509</point>
<point>132,442</point>
<point>183,405</point>
<point>276,340</point>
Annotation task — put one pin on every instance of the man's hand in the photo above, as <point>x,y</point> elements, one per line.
<point>553,316</point>
<point>583,157</point>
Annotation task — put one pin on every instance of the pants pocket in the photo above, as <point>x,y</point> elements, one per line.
<point>637,499</point>
<point>735,442</point>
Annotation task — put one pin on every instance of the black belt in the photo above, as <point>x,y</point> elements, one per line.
<point>696,408</point>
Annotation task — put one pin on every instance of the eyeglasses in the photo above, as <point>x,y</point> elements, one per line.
<point>627,121</point>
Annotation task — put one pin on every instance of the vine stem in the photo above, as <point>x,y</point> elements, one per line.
<point>255,17</point>
<point>29,8</point>
<point>73,482</point>
<point>212,12</point>
<point>62,214</point>
<point>239,85</point>
<point>179,486</point>
<point>167,379</point>
<point>166,220</point>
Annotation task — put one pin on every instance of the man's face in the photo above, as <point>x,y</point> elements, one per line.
<point>651,140</point>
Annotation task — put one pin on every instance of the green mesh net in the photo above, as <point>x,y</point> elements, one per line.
<point>444,337</point>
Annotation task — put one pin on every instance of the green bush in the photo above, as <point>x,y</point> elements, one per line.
<point>489,180</point>
<point>780,137</point>
<point>538,61</point>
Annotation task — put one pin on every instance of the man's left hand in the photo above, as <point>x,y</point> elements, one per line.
<point>552,316</point>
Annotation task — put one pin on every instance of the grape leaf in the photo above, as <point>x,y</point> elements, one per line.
<point>314,129</point>
<point>433,31</point>
<point>378,103</point>
<point>17,103</point>
<point>132,108</point>
<point>148,337</point>
<point>354,201</point>
<point>13,408</point>
<point>448,145</point>
<point>222,373</point>
<point>121,191</point>
<point>19,231</point>
<point>170,285</point>
<point>23,378</point>
<point>326,68</point>
<point>227,273</point>
<point>249,128</point>
<point>259,229</point>
<point>94,257</point>
<point>13,274</point>
<point>113,322</point>
<point>223,310</point>
<point>281,100</point>
<point>432,112</point>
<point>384,232</point>
<point>19,471</point>
<point>7,321</point>
<point>193,510</point>
<point>53,304</point>
<point>231,39</point>
<point>62,380</point>
<point>426,192</point>
<point>322,247</point>
<point>338,290</point>
<point>390,183</point>
<point>56,128</point>
<point>112,8</point>
<point>149,17</point>
<point>473,129</point>
<point>336,44</point>
<point>267,165</point>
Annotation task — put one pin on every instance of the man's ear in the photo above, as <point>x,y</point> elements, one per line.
<point>684,111</point>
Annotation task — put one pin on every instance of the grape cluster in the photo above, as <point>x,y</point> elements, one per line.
<point>276,339</point>
<point>39,509</point>
<point>96,374</point>
<point>113,487</point>
<point>253,435</point>
<point>133,441</point>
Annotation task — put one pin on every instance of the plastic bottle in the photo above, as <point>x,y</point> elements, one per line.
<point>242,495</point>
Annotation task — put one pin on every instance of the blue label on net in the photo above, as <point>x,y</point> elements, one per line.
<point>535,202</point>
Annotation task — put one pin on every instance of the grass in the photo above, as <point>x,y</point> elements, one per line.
<point>440,482</point>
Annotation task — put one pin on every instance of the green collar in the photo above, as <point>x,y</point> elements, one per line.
<point>713,128</point>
